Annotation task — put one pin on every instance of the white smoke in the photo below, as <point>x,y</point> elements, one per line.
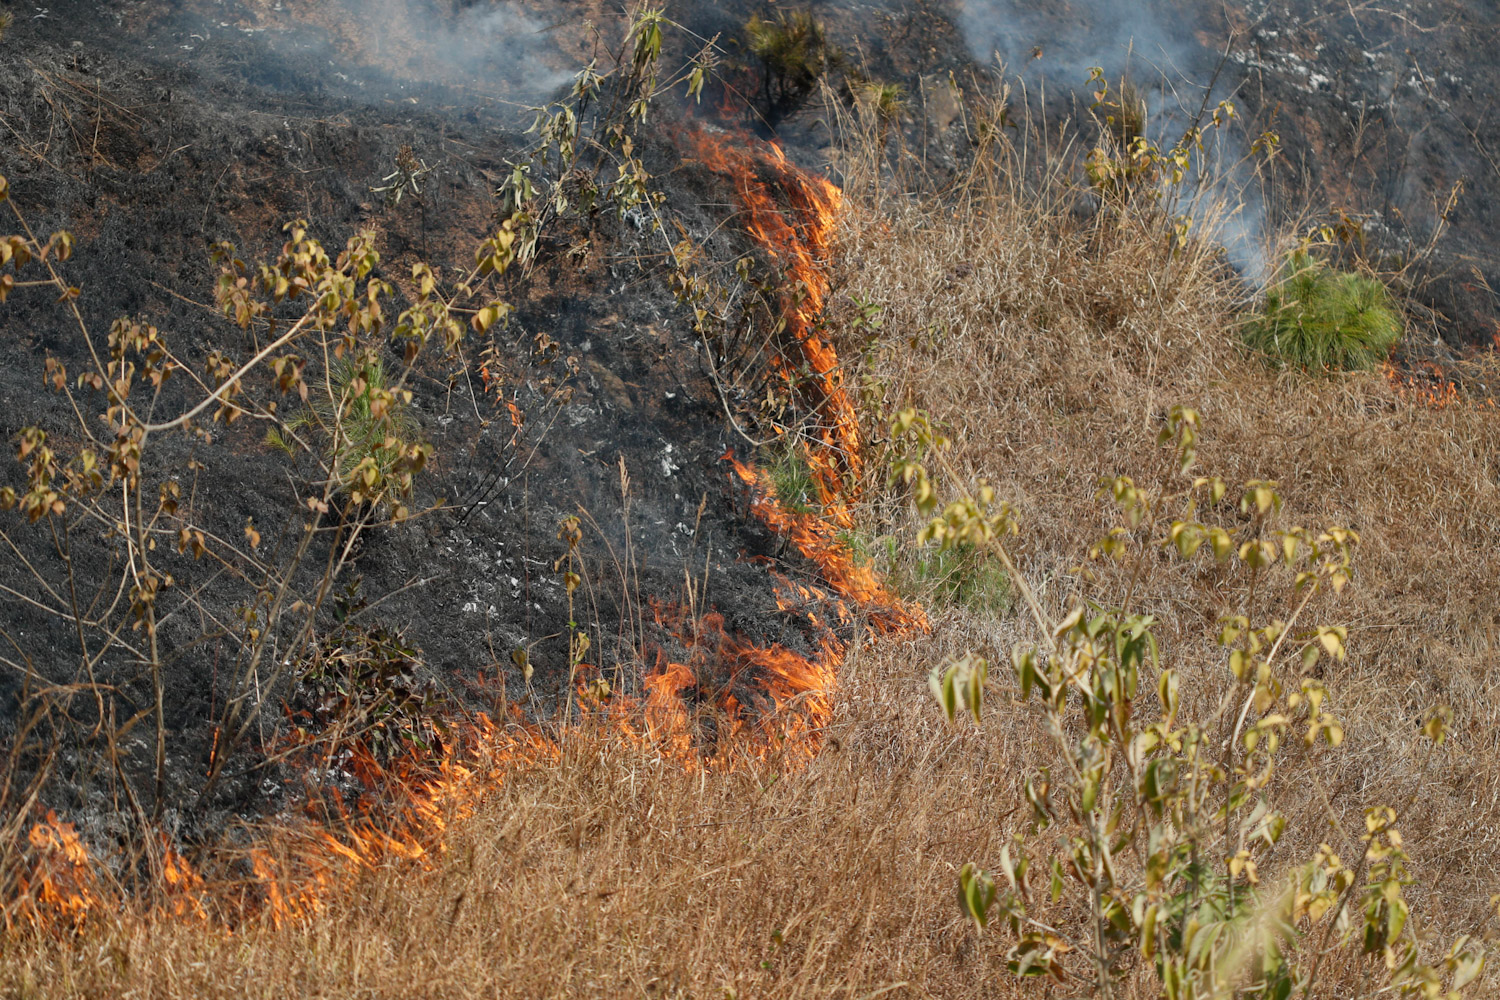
<point>1155,44</point>
<point>495,48</point>
<point>1062,39</point>
<point>496,41</point>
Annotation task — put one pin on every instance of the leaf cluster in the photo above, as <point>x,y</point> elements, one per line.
<point>364,429</point>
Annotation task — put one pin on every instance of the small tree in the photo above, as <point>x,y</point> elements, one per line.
<point>794,56</point>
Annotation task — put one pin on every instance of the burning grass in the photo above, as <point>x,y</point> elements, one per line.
<point>1049,348</point>
<point>612,871</point>
<point>689,711</point>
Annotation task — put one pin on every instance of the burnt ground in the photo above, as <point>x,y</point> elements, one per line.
<point>149,142</point>
<point>1387,114</point>
<point>1382,110</point>
<point>151,130</point>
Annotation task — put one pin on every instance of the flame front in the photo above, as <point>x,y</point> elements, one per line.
<point>409,804</point>
<point>802,249</point>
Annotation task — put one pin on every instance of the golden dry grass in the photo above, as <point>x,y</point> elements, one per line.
<point>1049,347</point>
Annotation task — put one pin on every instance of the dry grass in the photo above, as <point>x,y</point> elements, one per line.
<point>1049,347</point>
<point>614,873</point>
<point>1049,344</point>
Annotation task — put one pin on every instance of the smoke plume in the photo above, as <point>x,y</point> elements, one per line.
<point>497,49</point>
<point>1156,45</point>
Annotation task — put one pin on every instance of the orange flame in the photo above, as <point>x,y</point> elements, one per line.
<point>802,250</point>
<point>61,885</point>
<point>1422,385</point>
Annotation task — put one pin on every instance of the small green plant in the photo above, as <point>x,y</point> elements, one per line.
<point>364,426</point>
<point>792,478</point>
<point>794,55</point>
<point>1320,319</point>
<point>885,101</point>
<point>1149,864</point>
<point>961,576</point>
<point>1125,114</point>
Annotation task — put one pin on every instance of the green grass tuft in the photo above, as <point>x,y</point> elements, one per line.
<point>961,578</point>
<point>794,54</point>
<point>1321,320</point>
<point>792,478</point>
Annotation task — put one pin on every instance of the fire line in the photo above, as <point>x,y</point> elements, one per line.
<point>291,873</point>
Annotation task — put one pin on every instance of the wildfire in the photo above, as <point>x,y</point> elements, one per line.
<point>1424,386</point>
<point>795,691</point>
<point>61,884</point>
<point>833,454</point>
<point>408,804</point>
<point>758,171</point>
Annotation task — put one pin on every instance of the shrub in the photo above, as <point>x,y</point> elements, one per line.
<point>362,687</point>
<point>1320,319</point>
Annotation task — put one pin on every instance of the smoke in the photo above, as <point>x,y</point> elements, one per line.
<point>492,48</point>
<point>1062,39</point>
<point>1157,45</point>
<point>488,46</point>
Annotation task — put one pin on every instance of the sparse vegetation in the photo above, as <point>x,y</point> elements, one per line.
<point>1320,319</point>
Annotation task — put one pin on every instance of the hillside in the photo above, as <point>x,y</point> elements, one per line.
<point>500,530</point>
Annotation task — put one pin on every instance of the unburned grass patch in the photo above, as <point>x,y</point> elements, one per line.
<point>1320,319</point>
<point>1049,337</point>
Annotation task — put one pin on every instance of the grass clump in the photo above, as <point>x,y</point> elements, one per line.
<point>1321,319</point>
<point>792,478</point>
<point>961,578</point>
<point>794,55</point>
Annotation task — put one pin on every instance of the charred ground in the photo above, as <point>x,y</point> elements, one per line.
<point>150,141</point>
